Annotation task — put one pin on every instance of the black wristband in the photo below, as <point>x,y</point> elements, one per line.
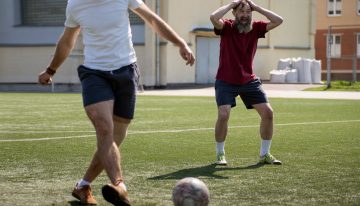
<point>50,71</point>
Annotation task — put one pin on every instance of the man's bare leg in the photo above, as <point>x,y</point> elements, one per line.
<point>107,154</point>
<point>266,132</point>
<point>120,131</point>
<point>221,128</point>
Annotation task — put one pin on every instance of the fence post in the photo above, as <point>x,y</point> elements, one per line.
<point>328,55</point>
<point>354,68</point>
<point>52,87</point>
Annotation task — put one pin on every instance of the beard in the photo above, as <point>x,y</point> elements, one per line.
<point>243,27</point>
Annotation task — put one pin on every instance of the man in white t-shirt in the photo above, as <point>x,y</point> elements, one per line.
<point>109,78</point>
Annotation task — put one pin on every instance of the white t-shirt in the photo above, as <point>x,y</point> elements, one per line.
<point>106,31</point>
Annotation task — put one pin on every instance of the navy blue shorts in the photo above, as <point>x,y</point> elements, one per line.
<point>250,93</point>
<point>119,85</point>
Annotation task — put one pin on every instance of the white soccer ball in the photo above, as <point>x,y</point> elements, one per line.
<point>190,192</point>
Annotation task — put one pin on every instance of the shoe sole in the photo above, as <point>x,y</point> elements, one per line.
<point>112,196</point>
<point>221,164</point>
<point>81,203</point>
<point>274,163</point>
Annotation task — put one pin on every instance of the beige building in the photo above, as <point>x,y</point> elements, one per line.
<point>338,22</point>
<point>25,49</point>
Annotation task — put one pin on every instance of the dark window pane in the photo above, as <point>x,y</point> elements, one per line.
<point>52,13</point>
<point>337,40</point>
<point>43,12</point>
<point>134,18</point>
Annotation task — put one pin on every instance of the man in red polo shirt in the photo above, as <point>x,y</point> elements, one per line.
<point>235,74</point>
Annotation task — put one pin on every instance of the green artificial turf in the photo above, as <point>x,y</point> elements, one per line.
<point>46,143</point>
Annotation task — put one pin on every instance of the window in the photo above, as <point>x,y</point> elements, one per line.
<point>43,12</point>
<point>135,19</point>
<point>335,45</point>
<point>334,7</point>
<point>52,13</point>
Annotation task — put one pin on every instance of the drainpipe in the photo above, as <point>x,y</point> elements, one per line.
<point>157,50</point>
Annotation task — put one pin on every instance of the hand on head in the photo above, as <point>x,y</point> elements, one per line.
<point>236,3</point>
<point>252,4</point>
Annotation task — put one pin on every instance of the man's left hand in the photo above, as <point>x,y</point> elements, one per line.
<point>252,5</point>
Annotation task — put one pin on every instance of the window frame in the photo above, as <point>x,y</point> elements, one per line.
<point>332,7</point>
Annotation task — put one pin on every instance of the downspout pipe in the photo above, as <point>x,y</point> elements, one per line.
<point>157,50</point>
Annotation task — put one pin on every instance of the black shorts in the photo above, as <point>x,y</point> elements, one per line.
<point>250,93</point>
<point>119,85</point>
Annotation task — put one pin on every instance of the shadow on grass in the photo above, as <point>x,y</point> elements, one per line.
<point>74,203</point>
<point>204,171</point>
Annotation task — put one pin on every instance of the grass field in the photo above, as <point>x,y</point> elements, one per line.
<point>46,143</point>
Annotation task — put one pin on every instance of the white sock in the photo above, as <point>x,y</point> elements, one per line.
<point>220,147</point>
<point>121,184</point>
<point>82,183</point>
<point>265,147</point>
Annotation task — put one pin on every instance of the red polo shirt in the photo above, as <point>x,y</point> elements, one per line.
<point>237,51</point>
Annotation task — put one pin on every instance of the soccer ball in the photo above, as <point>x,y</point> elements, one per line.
<point>190,192</point>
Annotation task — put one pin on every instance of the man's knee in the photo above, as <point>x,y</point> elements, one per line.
<point>224,113</point>
<point>267,114</point>
<point>120,129</point>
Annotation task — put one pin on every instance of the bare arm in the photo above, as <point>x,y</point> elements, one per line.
<point>165,31</point>
<point>216,16</point>
<point>275,19</point>
<point>63,48</point>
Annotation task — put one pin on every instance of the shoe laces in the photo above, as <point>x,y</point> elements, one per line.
<point>269,157</point>
<point>221,157</point>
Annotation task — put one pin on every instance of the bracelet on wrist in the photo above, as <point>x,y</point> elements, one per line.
<point>50,71</point>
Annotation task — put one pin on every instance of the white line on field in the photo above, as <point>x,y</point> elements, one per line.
<point>46,132</point>
<point>171,131</point>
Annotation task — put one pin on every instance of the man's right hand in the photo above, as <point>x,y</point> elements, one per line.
<point>187,55</point>
<point>44,78</point>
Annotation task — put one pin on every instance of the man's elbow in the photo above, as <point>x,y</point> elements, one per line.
<point>215,20</point>
<point>279,21</point>
<point>212,18</point>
